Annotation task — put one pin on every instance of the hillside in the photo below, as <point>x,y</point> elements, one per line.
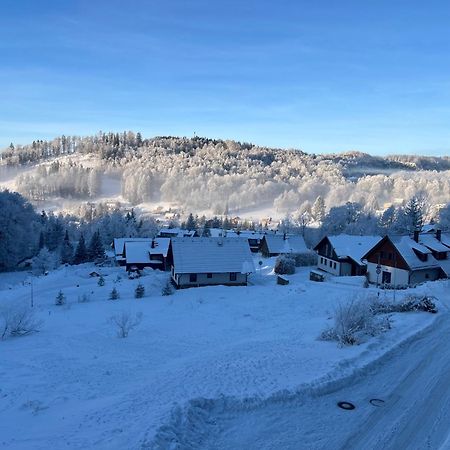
<point>213,176</point>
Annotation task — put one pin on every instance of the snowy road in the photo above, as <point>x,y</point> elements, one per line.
<point>413,381</point>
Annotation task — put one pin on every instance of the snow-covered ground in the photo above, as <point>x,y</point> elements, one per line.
<point>200,357</point>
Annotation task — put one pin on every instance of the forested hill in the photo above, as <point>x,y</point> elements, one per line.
<point>200,173</point>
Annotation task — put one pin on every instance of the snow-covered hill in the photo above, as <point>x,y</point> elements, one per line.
<point>212,176</point>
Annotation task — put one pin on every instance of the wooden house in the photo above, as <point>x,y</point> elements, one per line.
<point>402,261</point>
<point>153,254</point>
<point>210,261</point>
<point>119,247</point>
<point>342,255</point>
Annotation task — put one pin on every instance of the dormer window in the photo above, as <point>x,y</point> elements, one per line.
<point>422,256</point>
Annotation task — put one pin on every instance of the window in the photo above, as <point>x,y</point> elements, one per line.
<point>386,277</point>
<point>233,276</point>
<point>209,275</point>
<point>334,265</point>
<point>331,263</point>
<point>193,277</point>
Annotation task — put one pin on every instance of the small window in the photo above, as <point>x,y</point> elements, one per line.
<point>334,265</point>
<point>209,275</point>
<point>233,276</point>
<point>193,277</point>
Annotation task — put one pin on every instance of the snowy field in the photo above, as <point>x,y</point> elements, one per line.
<point>75,384</point>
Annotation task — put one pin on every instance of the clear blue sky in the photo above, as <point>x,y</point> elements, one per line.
<point>321,76</point>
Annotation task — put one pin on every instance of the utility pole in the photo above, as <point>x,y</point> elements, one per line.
<point>32,296</point>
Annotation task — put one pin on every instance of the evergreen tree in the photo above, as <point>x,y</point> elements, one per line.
<point>318,209</point>
<point>114,295</point>
<point>414,211</point>
<point>139,291</point>
<point>96,250</point>
<point>101,281</point>
<point>191,223</point>
<point>66,250</point>
<point>41,244</point>
<point>60,299</point>
<point>81,254</point>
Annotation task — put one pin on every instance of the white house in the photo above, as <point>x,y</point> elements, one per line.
<point>342,255</point>
<point>210,261</point>
<point>119,247</point>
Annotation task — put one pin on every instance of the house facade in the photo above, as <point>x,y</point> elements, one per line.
<point>401,261</point>
<point>342,255</point>
<point>210,261</point>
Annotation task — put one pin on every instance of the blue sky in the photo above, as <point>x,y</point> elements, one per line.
<point>321,76</point>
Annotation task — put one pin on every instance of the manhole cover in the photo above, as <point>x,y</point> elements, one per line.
<point>376,402</point>
<point>346,405</point>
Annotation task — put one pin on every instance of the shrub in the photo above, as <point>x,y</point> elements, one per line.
<point>84,298</point>
<point>18,320</point>
<point>353,321</point>
<point>411,302</point>
<point>125,322</point>
<point>167,289</point>
<point>114,295</point>
<point>60,299</point>
<point>101,281</point>
<point>139,291</point>
<point>305,259</point>
<point>284,265</point>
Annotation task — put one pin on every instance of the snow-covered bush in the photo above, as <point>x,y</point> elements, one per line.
<point>101,281</point>
<point>18,320</point>
<point>411,302</point>
<point>44,261</point>
<point>305,259</point>
<point>114,295</point>
<point>60,299</point>
<point>354,321</point>
<point>284,265</point>
<point>167,289</point>
<point>84,298</point>
<point>125,322</point>
<point>139,292</point>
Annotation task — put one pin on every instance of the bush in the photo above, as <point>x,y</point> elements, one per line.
<point>167,289</point>
<point>84,298</point>
<point>125,322</point>
<point>284,265</point>
<point>353,321</point>
<point>305,259</point>
<point>411,302</point>
<point>101,281</point>
<point>18,320</point>
<point>60,299</point>
<point>114,295</point>
<point>139,292</point>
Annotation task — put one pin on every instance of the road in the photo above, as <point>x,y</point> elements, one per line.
<point>413,381</point>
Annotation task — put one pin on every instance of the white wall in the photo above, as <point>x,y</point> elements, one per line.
<point>398,276</point>
<point>202,280</point>
<point>324,264</point>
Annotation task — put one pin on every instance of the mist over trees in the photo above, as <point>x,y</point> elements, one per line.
<point>225,177</point>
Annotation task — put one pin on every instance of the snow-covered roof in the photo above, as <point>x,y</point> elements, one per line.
<point>430,241</point>
<point>211,255</point>
<point>278,243</point>
<point>445,239</point>
<point>176,232</point>
<point>248,234</point>
<point>139,252</point>
<point>119,243</point>
<point>445,266</point>
<point>353,247</point>
<point>406,246</point>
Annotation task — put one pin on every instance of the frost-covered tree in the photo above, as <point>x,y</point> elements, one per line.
<point>81,253</point>
<point>44,261</point>
<point>318,209</point>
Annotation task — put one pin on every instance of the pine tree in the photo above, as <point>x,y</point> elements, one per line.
<point>114,295</point>
<point>66,250</point>
<point>191,223</point>
<point>41,244</point>
<point>101,281</point>
<point>318,209</point>
<point>139,291</point>
<point>60,299</point>
<point>96,250</point>
<point>81,255</point>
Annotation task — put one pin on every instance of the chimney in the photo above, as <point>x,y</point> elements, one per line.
<point>284,236</point>
<point>416,235</point>
<point>438,235</point>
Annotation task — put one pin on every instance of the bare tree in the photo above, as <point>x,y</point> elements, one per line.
<point>18,320</point>
<point>125,322</point>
